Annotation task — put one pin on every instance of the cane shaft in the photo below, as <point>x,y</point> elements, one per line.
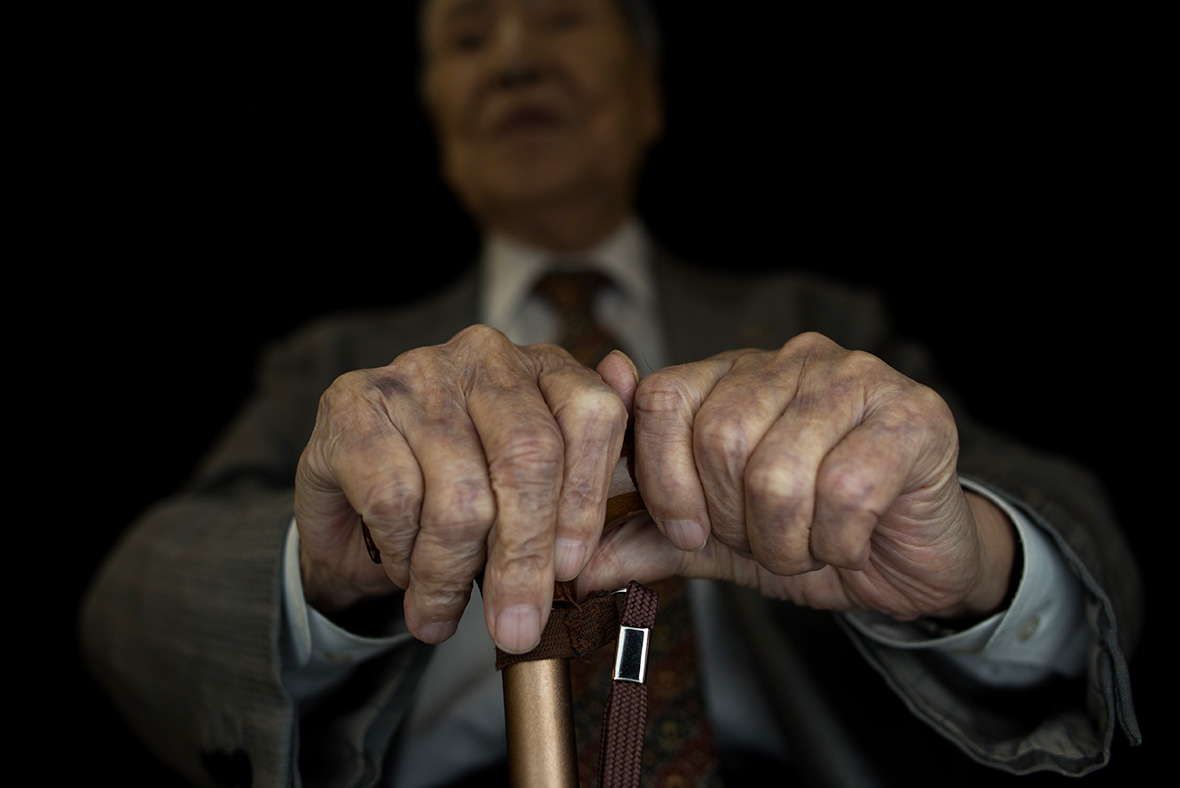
<point>539,718</point>
<point>538,703</point>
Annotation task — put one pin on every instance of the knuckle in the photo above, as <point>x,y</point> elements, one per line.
<point>597,405</point>
<point>583,497</point>
<point>936,410</point>
<point>860,361</point>
<point>809,343</point>
<point>478,335</point>
<point>522,563</point>
<point>847,493</point>
<point>390,502</point>
<point>857,370</point>
<point>844,488</point>
<point>338,442</point>
<point>347,408</point>
<point>448,596</point>
<point>837,549</point>
<point>395,558</point>
<point>532,451</point>
<point>528,469</point>
<point>407,367</point>
<point>722,440</point>
<point>476,346</point>
<point>779,557</point>
<point>919,416</point>
<point>439,596</point>
<point>722,430</point>
<point>785,504</point>
<point>464,513</point>
<point>336,400</point>
<point>775,484</point>
<point>661,394</point>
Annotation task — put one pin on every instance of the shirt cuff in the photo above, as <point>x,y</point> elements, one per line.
<point>317,654</point>
<point>1043,631</point>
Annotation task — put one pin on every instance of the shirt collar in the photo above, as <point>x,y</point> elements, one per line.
<point>510,269</point>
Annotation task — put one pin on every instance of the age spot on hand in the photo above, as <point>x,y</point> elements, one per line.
<point>391,385</point>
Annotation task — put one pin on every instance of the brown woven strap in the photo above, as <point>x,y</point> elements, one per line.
<point>577,628</point>
<point>573,629</point>
<point>625,717</point>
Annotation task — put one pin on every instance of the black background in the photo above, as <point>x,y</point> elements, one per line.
<point>204,183</point>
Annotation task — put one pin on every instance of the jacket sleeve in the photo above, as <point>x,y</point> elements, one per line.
<point>181,626</point>
<point>1067,727</point>
<point>1072,725</point>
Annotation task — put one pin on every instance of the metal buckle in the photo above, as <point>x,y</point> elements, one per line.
<point>631,654</point>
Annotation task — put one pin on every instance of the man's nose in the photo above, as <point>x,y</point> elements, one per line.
<point>516,52</point>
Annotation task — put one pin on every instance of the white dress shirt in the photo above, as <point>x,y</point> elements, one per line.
<point>457,722</point>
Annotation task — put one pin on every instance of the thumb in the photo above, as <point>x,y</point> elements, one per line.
<point>633,550</point>
<point>637,550</point>
<point>620,373</point>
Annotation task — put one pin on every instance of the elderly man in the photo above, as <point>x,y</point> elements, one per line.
<point>247,634</point>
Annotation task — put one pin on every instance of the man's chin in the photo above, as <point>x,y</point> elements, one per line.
<point>537,192</point>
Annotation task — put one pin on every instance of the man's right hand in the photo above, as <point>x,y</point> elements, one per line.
<point>472,453</point>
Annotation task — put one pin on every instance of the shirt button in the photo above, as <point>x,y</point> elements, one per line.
<point>1028,628</point>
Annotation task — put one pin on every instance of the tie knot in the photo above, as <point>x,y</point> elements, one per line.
<point>571,293</point>
<point>571,289</point>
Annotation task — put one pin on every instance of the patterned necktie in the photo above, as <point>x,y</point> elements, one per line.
<point>572,294</point>
<point>678,751</point>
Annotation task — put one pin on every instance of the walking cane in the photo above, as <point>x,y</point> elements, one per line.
<point>539,722</point>
<point>538,702</point>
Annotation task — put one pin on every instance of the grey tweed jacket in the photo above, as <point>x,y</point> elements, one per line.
<point>182,623</point>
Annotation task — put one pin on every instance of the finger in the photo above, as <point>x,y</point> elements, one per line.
<point>742,407</point>
<point>899,446</point>
<point>619,372</point>
<point>343,476</point>
<point>782,476</point>
<point>438,547</point>
<point>635,550</point>
<point>384,485</point>
<point>638,550</point>
<point>593,422</point>
<point>457,512</point>
<point>524,451</point>
<point>665,409</point>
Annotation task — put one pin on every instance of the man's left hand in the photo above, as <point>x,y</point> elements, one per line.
<point>812,473</point>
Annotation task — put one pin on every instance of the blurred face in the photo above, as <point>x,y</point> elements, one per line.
<point>538,102</point>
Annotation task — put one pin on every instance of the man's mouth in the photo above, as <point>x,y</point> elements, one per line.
<point>526,119</point>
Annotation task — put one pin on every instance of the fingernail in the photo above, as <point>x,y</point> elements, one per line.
<point>437,631</point>
<point>686,534</point>
<point>518,628</point>
<point>630,363</point>
<point>568,557</point>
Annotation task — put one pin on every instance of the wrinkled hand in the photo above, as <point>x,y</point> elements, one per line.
<point>811,473</point>
<point>477,452</point>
